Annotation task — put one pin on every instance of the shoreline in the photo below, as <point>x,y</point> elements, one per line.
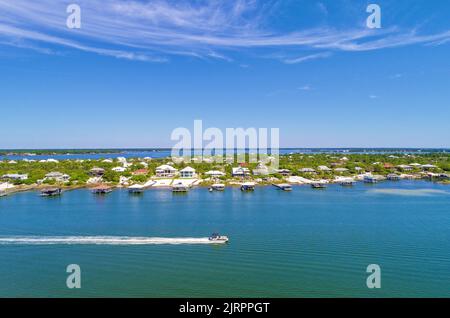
<point>147,173</point>
<point>36,188</point>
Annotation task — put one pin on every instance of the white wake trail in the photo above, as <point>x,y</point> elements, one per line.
<point>101,240</point>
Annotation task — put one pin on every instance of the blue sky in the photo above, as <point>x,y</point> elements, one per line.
<point>138,69</point>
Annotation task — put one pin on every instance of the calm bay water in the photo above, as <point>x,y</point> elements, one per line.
<point>298,244</point>
<point>165,153</point>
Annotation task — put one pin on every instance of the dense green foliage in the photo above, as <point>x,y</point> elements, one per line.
<point>78,170</point>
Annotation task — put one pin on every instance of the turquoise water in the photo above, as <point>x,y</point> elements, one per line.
<point>282,244</point>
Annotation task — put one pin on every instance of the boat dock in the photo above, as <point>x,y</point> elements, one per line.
<point>101,189</point>
<point>217,187</point>
<point>136,189</point>
<point>248,186</point>
<point>283,186</point>
<point>180,188</point>
<point>393,177</point>
<point>318,185</point>
<point>51,192</point>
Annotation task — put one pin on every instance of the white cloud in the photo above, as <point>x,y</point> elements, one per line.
<point>398,75</point>
<point>305,88</point>
<point>307,58</point>
<point>154,30</point>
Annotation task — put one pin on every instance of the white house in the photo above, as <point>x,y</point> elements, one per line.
<point>307,170</point>
<point>284,172</point>
<point>215,173</point>
<point>119,169</point>
<point>428,166</point>
<point>323,168</point>
<point>240,172</point>
<point>57,176</point>
<point>165,171</point>
<point>15,176</point>
<point>405,167</point>
<point>187,172</point>
<point>122,160</point>
<point>261,170</point>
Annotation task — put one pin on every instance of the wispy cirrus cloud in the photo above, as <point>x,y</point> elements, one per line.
<point>209,29</point>
<point>307,58</point>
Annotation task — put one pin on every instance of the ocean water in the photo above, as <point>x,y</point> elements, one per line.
<point>165,153</point>
<point>304,243</point>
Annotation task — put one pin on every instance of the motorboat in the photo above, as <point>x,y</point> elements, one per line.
<point>218,238</point>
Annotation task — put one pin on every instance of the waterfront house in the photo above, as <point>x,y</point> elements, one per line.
<point>261,170</point>
<point>215,173</point>
<point>428,167</point>
<point>405,167</point>
<point>284,172</point>
<point>140,172</point>
<point>240,172</point>
<point>15,176</point>
<point>97,172</point>
<point>57,176</point>
<point>307,170</point>
<point>165,171</point>
<point>187,172</point>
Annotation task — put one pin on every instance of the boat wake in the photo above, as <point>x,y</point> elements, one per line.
<point>101,240</point>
